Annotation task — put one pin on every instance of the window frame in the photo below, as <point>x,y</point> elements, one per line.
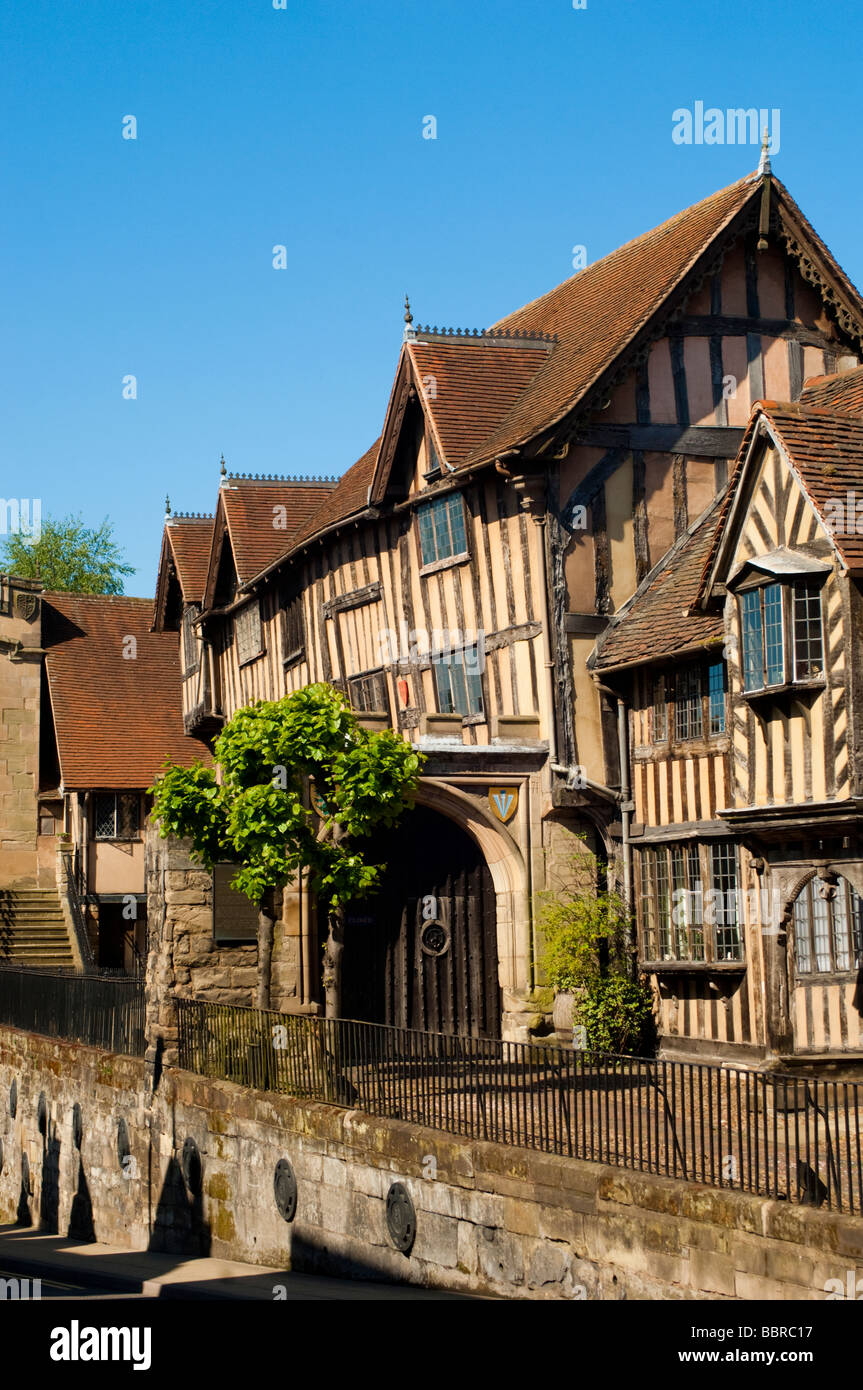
<point>790,640</point>
<point>448,503</point>
<point>472,681</point>
<point>133,797</point>
<point>810,895</point>
<point>663,691</point>
<point>292,620</point>
<point>254,606</point>
<point>678,931</point>
<point>361,679</point>
<point>189,640</point>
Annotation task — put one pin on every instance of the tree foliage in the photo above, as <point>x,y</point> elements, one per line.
<point>258,812</point>
<point>68,557</point>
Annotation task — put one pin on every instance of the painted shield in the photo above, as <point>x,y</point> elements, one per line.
<point>503,801</point>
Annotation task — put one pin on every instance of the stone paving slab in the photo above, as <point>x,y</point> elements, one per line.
<point>36,1254</point>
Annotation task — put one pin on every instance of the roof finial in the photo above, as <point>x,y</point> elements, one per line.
<point>766,181</point>
<point>223,470</point>
<point>410,331</point>
<point>764,162</point>
<point>167,505</point>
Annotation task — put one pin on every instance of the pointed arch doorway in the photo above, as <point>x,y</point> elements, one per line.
<point>422,953</point>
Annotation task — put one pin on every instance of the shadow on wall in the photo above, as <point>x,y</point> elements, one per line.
<point>49,1195</point>
<point>24,1216</point>
<point>81,1224</point>
<point>179,1226</point>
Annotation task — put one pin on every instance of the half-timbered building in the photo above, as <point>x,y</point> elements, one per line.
<point>529,480</point>
<point>500,576</point>
<point>739,665</point>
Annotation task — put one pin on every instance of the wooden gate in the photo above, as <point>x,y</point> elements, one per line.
<point>422,953</point>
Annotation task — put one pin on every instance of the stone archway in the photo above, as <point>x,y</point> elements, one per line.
<point>508,872</point>
<point>450,860</point>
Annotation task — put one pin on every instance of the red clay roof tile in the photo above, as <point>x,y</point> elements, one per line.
<point>191,540</point>
<point>656,622</point>
<point>116,717</point>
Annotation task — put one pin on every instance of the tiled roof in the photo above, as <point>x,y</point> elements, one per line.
<point>260,532</point>
<point>656,623</point>
<point>597,312</point>
<point>117,717</point>
<point>191,540</point>
<point>825,447</point>
<point>469,386</point>
<point>827,451</point>
<point>841,391</point>
<point>347,498</point>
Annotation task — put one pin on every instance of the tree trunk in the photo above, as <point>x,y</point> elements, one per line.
<point>266,924</point>
<point>333,952</point>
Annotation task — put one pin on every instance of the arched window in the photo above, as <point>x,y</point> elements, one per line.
<point>828,930</point>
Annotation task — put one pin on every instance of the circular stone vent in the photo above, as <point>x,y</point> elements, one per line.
<point>285,1190</point>
<point>193,1171</point>
<point>401,1218</point>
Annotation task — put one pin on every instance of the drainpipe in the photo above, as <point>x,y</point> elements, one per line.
<point>532,501</point>
<point>625,802</point>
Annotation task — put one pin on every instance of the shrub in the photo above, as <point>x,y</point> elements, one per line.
<point>617,1015</point>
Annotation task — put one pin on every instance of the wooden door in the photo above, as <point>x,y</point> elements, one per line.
<point>422,953</point>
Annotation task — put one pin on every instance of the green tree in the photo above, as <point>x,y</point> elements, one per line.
<point>68,556</point>
<point>300,784</point>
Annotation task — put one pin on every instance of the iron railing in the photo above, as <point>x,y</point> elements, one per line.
<point>72,875</point>
<point>775,1135</point>
<point>104,1011</point>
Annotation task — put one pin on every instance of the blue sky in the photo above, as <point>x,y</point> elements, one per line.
<point>303,127</point>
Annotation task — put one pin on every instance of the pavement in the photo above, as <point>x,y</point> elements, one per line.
<point>81,1268</point>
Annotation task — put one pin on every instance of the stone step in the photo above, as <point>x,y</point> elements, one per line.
<point>44,939</point>
<point>33,929</point>
<point>32,914</point>
<point>45,958</point>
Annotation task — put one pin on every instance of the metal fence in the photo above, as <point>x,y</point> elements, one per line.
<point>104,1011</point>
<point>761,1132</point>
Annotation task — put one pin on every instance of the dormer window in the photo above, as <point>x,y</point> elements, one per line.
<point>781,634</point>
<point>434,470</point>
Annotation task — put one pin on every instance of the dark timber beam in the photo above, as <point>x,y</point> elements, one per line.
<point>731,326</point>
<point>700,441</point>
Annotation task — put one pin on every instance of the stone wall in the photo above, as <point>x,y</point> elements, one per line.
<point>489,1218</point>
<point>20,686</point>
<point>184,959</point>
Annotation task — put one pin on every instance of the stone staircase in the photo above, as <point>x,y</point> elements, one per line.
<point>33,929</point>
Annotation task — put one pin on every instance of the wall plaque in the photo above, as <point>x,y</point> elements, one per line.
<point>235,917</point>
